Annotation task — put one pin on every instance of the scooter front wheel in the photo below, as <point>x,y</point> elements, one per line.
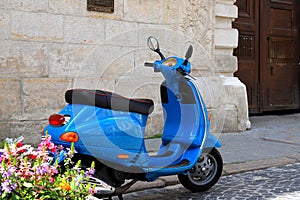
<point>205,173</point>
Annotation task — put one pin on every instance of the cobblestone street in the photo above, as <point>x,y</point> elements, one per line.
<point>274,183</point>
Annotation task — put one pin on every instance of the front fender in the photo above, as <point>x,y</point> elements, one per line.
<point>211,141</point>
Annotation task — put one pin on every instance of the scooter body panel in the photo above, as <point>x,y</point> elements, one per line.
<point>103,133</point>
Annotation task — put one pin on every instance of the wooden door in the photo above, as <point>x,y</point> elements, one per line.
<point>268,53</point>
<point>248,50</point>
<point>278,51</point>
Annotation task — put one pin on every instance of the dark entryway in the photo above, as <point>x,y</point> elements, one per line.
<point>268,53</point>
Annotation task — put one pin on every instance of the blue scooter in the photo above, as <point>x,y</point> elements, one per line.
<point>109,129</point>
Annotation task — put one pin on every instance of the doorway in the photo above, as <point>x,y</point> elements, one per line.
<point>268,53</point>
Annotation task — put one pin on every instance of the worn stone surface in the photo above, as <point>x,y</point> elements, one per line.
<point>23,59</point>
<point>111,61</point>
<point>84,30</point>
<point>226,63</point>
<point>4,24</point>
<point>197,22</point>
<point>4,4</point>
<point>71,60</point>
<point>226,10</point>
<point>144,11</point>
<point>10,99</point>
<point>94,83</point>
<point>43,97</point>
<point>236,95</point>
<point>70,7</point>
<point>29,5</point>
<point>226,38</point>
<point>121,33</point>
<point>36,26</point>
<point>30,130</point>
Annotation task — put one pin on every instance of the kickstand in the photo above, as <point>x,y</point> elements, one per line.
<point>120,196</point>
<point>120,190</point>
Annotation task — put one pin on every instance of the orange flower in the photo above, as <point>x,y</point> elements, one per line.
<point>64,185</point>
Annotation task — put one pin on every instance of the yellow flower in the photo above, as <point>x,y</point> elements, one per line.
<point>64,185</point>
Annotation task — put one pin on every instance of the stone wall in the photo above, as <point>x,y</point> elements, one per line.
<point>48,46</point>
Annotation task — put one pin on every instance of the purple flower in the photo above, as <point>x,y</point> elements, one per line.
<point>6,186</point>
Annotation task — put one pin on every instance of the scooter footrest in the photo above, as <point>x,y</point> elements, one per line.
<point>166,154</point>
<point>182,163</point>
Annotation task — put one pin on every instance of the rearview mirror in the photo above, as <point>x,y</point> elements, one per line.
<point>153,43</point>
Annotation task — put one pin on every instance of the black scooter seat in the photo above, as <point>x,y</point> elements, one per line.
<point>109,100</point>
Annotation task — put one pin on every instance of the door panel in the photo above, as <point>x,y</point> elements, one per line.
<point>248,51</point>
<point>268,53</point>
<point>279,70</point>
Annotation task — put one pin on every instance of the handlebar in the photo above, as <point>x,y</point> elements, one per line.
<point>148,64</point>
<point>157,68</point>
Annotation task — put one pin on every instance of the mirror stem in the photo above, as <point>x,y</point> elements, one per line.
<point>160,54</point>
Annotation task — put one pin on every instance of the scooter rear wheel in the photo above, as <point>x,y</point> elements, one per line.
<point>205,173</point>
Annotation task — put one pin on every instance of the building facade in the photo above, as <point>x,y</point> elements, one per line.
<point>49,46</point>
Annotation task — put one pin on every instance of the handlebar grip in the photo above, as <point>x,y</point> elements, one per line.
<point>148,64</point>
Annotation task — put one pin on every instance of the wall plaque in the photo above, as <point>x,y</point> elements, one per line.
<point>101,5</point>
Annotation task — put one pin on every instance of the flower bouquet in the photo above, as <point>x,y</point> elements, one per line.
<point>26,173</point>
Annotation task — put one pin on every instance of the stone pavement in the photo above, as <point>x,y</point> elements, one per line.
<point>273,140</point>
<point>275,183</point>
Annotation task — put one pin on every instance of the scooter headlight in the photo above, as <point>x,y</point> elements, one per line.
<point>171,62</point>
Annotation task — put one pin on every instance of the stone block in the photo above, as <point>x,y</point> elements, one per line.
<point>29,5</point>
<point>139,87</point>
<point>226,64</point>
<point>226,10</point>
<point>94,83</point>
<point>83,30</point>
<point>23,59</point>
<point>231,119</point>
<point>111,61</point>
<point>217,122</point>
<point>10,99</point>
<point>43,97</point>
<point>172,42</point>
<point>36,26</point>
<point>144,11</point>
<point>226,38</point>
<point>212,91</point>
<point>71,60</point>
<point>236,95</point>
<point>223,23</point>
<point>70,7</point>
<point>121,33</point>
<point>30,130</point>
<point>4,24</point>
